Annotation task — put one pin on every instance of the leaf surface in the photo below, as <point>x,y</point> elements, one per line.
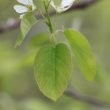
<point>82,52</point>
<point>53,70</point>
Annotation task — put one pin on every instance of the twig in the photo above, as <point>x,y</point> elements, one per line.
<point>87,99</point>
<point>16,22</point>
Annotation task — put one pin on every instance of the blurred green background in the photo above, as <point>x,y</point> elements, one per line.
<point>18,89</point>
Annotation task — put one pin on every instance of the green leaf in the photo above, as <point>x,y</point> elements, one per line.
<point>53,70</point>
<point>39,40</point>
<point>27,22</point>
<point>82,52</point>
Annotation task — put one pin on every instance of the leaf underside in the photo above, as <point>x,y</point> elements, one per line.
<point>27,22</point>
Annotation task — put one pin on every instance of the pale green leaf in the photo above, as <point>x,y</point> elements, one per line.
<point>82,52</point>
<point>39,39</point>
<point>53,70</point>
<point>27,22</point>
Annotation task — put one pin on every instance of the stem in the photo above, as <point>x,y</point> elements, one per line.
<point>53,38</point>
<point>48,18</point>
<point>49,23</point>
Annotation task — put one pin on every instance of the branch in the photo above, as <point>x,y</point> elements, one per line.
<point>16,22</point>
<point>87,99</point>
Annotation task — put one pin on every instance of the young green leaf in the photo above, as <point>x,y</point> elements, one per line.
<point>82,52</point>
<point>53,70</point>
<point>27,22</point>
<point>39,40</point>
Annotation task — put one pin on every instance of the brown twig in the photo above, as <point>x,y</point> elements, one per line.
<point>15,24</point>
<point>87,99</point>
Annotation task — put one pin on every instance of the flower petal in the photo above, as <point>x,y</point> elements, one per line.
<point>30,2</point>
<point>24,2</point>
<point>66,4</point>
<point>52,4</point>
<point>20,9</point>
